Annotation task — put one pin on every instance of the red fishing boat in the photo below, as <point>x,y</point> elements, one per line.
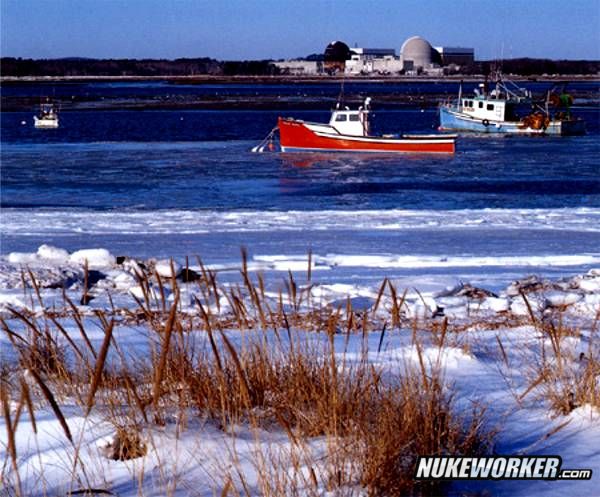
<point>349,131</point>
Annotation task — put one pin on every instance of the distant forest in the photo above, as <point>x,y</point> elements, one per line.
<point>10,66</point>
<point>74,67</point>
<point>531,67</point>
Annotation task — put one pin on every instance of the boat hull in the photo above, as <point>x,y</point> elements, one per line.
<point>452,120</point>
<point>45,123</point>
<point>297,135</point>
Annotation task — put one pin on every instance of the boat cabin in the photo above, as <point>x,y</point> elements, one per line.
<point>484,108</point>
<point>47,111</point>
<point>351,122</point>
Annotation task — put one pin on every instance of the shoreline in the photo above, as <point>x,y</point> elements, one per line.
<point>287,79</point>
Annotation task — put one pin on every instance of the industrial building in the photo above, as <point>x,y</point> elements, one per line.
<point>370,60</point>
<point>456,55</point>
<point>417,56</point>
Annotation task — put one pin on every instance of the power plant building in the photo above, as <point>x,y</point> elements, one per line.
<point>417,56</point>
<point>456,55</point>
<point>369,60</point>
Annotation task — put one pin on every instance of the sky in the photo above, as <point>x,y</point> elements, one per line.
<point>279,29</point>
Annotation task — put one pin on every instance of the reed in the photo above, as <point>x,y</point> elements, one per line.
<point>277,364</point>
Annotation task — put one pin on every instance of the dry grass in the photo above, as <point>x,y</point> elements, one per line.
<point>227,367</point>
<point>565,376</point>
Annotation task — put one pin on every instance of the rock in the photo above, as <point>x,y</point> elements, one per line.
<point>473,292</point>
<point>57,278</point>
<point>86,299</point>
<point>526,285</point>
<point>121,259</point>
<point>94,277</point>
<point>96,258</point>
<point>467,290</point>
<point>189,275</point>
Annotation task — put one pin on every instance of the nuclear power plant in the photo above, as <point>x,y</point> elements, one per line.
<point>417,56</point>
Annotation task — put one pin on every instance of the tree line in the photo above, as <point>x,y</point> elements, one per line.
<point>10,66</point>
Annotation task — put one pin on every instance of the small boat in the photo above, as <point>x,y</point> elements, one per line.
<point>509,110</point>
<point>47,116</point>
<point>349,131</point>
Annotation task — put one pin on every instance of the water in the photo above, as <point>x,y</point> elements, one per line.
<point>180,182</point>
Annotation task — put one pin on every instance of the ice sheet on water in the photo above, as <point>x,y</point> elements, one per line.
<point>55,221</point>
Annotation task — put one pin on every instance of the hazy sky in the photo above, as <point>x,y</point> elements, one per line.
<point>238,29</point>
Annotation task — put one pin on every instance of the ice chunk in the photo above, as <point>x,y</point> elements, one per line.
<point>561,299</point>
<point>53,254</point>
<point>96,258</point>
<point>495,304</point>
<point>164,269</point>
<point>591,285</point>
<point>22,258</point>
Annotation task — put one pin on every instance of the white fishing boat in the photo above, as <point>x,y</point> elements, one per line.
<point>47,116</point>
<point>508,109</point>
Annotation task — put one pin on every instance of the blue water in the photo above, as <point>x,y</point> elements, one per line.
<point>199,159</point>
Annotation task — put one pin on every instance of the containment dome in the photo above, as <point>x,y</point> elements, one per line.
<point>416,52</point>
<point>336,54</point>
<point>337,51</point>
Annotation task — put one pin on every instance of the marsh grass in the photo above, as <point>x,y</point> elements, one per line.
<point>254,364</point>
<point>564,375</point>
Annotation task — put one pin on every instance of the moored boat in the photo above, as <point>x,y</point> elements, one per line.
<point>47,116</point>
<point>512,111</point>
<point>349,131</point>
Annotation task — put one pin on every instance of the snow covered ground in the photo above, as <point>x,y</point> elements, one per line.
<point>490,359</point>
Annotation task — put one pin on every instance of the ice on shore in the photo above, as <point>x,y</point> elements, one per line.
<point>96,258</point>
<point>424,296</point>
<point>53,254</point>
<point>167,268</point>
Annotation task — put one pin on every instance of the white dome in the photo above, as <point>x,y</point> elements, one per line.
<point>418,51</point>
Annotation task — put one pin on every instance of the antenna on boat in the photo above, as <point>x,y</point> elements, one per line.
<point>340,100</point>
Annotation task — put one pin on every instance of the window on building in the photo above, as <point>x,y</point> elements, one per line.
<point>490,106</point>
<point>481,105</point>
<point>340,117</point>
<point>353,117</point>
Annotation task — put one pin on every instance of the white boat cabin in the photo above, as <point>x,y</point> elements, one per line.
<point>484,108</point>
<point>497,105</point>
<point>351,122</point>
